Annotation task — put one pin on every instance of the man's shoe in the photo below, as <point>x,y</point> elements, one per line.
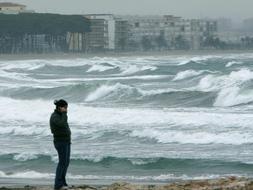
<point>64,188</point>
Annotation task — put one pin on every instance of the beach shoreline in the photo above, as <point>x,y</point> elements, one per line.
<point>228,183</point>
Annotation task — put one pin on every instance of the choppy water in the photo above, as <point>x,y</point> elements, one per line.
<point>151,119</point>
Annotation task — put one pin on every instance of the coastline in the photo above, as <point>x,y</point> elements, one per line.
<point>229,183</point>
<point>61,55</point>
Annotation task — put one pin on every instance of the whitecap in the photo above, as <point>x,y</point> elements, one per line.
<point>129,70</point>
<point>27,175</point>
<point>16,111</point>
<point>186,74</point>
<point>25,156</point>
<point>196,59</point>
<point>162,177</point>
<point>105,90</point>
<point>233,96</point>
<point>212,82</point>
<point>181,137</point>
<point>231,63</point>
<point>99,68</point>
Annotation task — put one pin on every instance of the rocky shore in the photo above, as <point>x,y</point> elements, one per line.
<point>230,183</point>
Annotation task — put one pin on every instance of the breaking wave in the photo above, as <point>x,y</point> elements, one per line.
<point>158,178</point>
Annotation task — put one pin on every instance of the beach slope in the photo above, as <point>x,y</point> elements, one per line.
<point>230,183</point>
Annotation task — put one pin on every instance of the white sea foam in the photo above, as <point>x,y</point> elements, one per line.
<point>158,91</point>
<point>162,177</point>
<point>27,175</point>
<point>105,90</point>
<point>126,65</point>
<point>32,64</point>
<point>15,76</point>
<point>99,68</point>
<point>233,96</point>
<point>16,111</point>
<point>25,130</point>
<point>181,137</point>
<point>197,59</point>
<point>186,74</point>
<point>238,56</point>
<point>243,75</point>
<point>235,78</point>
<point>92,158</point>
<point>215,127</point>
<point>67,62</point>
<point>229,87</point>
<point>129,70</point>
<point>231,63</point>
<point>138,161</point>
<point>137,77</point>
<point>211,83</point>
<point>25,156</point>
<point>21,64</point>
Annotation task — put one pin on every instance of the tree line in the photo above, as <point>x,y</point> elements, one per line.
<point>38,23</point>
<point>23,32</point>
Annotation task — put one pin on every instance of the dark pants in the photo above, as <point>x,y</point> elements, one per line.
<point>63,149</point>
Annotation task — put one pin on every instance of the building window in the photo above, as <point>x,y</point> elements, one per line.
<point>137,25</point>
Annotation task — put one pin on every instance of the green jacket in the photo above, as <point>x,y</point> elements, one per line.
<point>59,127</point>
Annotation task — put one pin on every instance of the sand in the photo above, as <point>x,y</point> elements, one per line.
<point>229,183</point>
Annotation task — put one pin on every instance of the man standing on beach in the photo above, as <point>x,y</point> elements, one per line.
<point>62,141</point>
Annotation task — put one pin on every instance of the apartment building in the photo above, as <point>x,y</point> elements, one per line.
<point>102,34</point>
<point>13,8</point>
<point>177,33</point>
<point>121,34</point>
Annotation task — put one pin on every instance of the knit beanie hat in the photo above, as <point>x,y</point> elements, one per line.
<point>60,103</point>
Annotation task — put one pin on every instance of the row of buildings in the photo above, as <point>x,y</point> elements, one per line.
<point>131,33</point>
<point>138,33</point>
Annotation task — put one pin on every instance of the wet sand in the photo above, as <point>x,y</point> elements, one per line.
<point>229,183</point>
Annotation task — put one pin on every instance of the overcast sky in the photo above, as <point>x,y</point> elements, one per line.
<point>236,9</point>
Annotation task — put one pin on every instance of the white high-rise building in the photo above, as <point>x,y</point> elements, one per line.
<point>102,26</point>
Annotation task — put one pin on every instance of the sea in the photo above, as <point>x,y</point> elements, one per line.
<point>141,119</point>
